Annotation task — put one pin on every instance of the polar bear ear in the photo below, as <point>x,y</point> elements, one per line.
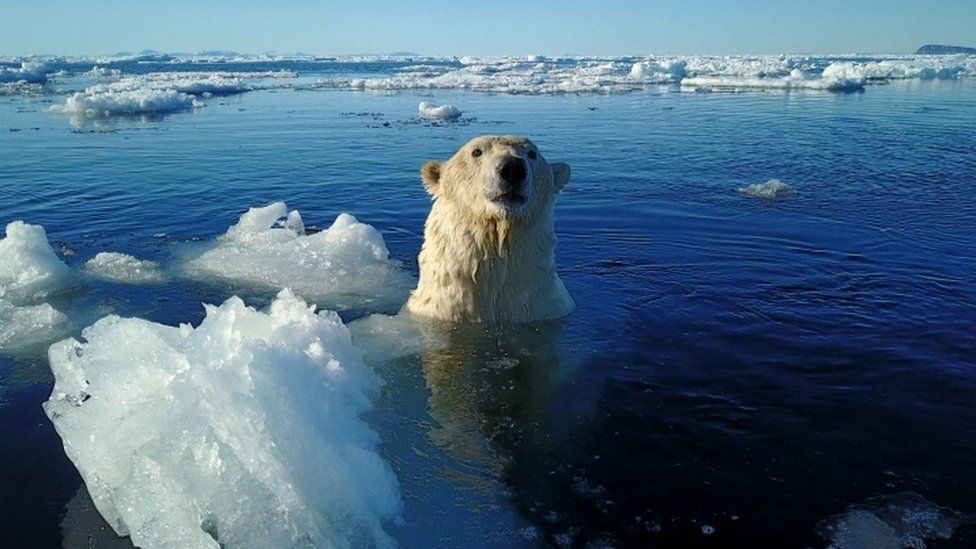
<point>560,175</point>
<point>430,172</point>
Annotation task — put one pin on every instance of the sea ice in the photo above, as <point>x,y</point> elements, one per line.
<point>29,273</point>
<point>29,72</point>
<point>103,101</point>
<point>29,268</point>
<point>124,268</point>
<point>29,326</point>
<point>154,93</point>
<point>774,188</point>
<point>346,266</point>
<point>435,112</point>
<point>245,431</point>
<point>904,520</point>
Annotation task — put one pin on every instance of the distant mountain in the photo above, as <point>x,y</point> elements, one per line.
<point>938,49</point>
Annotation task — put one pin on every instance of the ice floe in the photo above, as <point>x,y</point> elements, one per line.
<point>435,112</point>
<point>124,268</point>
<point>157,93</point>
<point>245,431</point>
<point>29,72</point>
<point>29,268</point>
<point>346,266</point>
<point>30,272</point>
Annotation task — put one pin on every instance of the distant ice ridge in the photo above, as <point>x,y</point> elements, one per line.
<point>30,272</point>
<point>797,79</point>
<point>774,188</point>
<point>346,266</point>
<point>434,112</point>
<point>245,431</point>
<point>124,268</point>
<point>29,72</point>
<point>541,75</point>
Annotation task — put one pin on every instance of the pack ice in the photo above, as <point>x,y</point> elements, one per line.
<point>346,266</point>
<point>245,431</point>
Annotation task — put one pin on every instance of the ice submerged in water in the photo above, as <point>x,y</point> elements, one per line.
<point>124,268</point>
<point>30,272</point>
<point>242,432</point>
<point>774,188</point>
<point>346,266</point>
<point>890,522</point>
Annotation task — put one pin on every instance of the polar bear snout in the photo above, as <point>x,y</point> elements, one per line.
<point>513,174</point>
<point>508,183</point>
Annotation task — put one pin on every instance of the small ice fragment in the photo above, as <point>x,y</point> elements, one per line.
<point>434,112</point>
<point>774,188</point>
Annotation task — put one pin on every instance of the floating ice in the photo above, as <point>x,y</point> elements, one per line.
<point>29,72</point>
<point>103,101</point>
<point>435,112</point>
<point>124,268</point>
<point>29,268</point>
<point>103,72</point>
<point>30,272</point>
<point>346,266</point>
<point>797,79</point>
<point>242,432</point>
<point>774,188</point>
<point>155,93</point>
<point>383,337</point>
<point>904,520</point>
<point>30,326</point>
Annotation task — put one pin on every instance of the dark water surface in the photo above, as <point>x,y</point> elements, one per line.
<point>737,371</point>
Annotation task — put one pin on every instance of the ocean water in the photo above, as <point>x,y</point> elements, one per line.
<point>783,371</point>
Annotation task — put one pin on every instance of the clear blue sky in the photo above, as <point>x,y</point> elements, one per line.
<point>485,27</point>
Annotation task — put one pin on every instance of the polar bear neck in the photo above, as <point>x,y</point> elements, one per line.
<point>492,271</point>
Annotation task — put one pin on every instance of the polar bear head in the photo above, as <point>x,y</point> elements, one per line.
<point>497,177</point>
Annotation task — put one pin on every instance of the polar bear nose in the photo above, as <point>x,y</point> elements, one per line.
<point>513,173</point>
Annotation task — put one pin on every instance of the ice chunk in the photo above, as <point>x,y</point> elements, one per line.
<point>435,112</point>
<point>346,266</point>
<point>29,72</point>
<point>245,431</point>
<point>124,268</point>
<point>904,520</point>
<point>100,101</point>
<point>155,93</point>
<point>104,72</point>
<point>774,188</point>
<point>27,327</point>
<point>29,268</point>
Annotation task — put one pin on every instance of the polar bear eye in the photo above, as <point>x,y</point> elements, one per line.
<point>476,153</point>
<point>532,155</point>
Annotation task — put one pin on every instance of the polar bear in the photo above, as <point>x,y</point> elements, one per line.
<point>489,245</point>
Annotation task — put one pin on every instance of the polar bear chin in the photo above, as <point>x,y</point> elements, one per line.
<point>489,244</point>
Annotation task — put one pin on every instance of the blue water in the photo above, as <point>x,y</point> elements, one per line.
<point>753,367</point>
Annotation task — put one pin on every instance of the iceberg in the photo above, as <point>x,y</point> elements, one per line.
<point>245,431</point>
